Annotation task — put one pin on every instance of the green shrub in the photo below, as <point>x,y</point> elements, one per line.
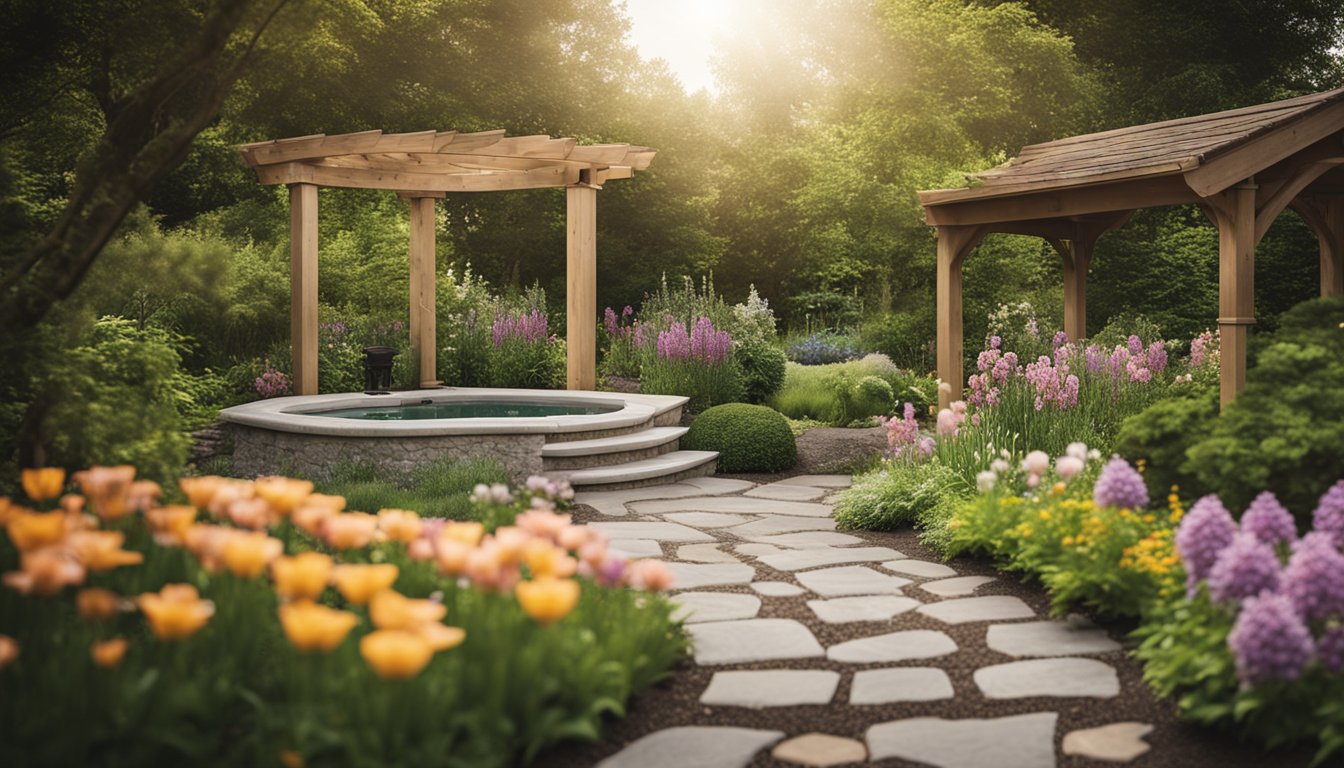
<point>1161,433</point>
<point>749,438</point>
<point>905,337</point>
<point>762,370</point>
<point>844,393</point>
<point>899,494</point>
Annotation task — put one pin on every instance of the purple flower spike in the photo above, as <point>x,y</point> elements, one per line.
<point>1269,520</point>
<point>1269,641</point>
<point>1206,530</point>
<point>1120,485</point>
<point>1329,515</point>
<point>1245,568</point>
<point>1330,648</point>
<point>1314,578</point>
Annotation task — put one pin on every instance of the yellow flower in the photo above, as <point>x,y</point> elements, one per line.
<point>246,554</point>
<point>313,627</point>
<point>395,654</point>
<point>176,611</point>
<point>109,653</point>
<point>545,559</point>
<point>351,530</point>
<point>359,583</point>
<point>43,483</point>
<point>45,572</point>
<point>9,650</point>
<point>1057,489</point>
<point>303,576</point>
<point>441,637</point>
<point>1045,514</point>
<point>101,550</point>
<point>107,489</point>
<point>291,759</point>
<point>171,522</point>
<point>282,493</point>
<point>30,530</point>
<point>96,604</point>
<point>547,599</point>
<point>201,490</point>
<point>399,524</point>
<point>389,609</point>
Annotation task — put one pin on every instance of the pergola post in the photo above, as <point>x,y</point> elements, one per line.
<point>1235,213</point>
<point>954,242</point>
<point>303,287</point>
<point>581,287</point>
<point>1325,215</point>
<point>422,301</point>
<point>1077,257</point>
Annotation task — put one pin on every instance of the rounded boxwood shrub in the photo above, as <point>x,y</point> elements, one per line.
<point>749,438</point>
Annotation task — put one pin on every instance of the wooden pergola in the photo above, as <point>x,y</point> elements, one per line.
<point>422,167</point>
<point>1243,167</point>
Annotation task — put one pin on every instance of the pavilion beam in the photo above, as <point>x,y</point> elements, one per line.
<point>303,287</point>
<point>954,242</point>
<point>1325,215</point>
<point>1235,212</point>
<point>423,323</point>
<point>581,287</point>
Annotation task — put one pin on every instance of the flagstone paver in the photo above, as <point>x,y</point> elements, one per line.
<point>851,580</point>
<point>807,539</point>
<point>632,548</point>
<point>757,689</point>
<point>1048,638</point>
<point>756,550</point>
<point>658,531</point>
<point>968,609</point>
<point>1114,743</point>
<point>819,481</point>
<point>799,559</point>
<point>895,646</point>
<point>820,750</point>
<point>883,686</point>
<point>842,610</point>
<point>732,505</point>
<point>696,575</point>
<point>731,642</point>
<point>706,519</point>
<point>705,553</point>
<point>958,587</point>
<point>702,746</point>
<point>772,524</point>
<point>1020,741</point>
<point>695,607</point>
<point>787,492</point>
<point>612,503</point>
<point>713,485</point>
<point>1048,677</point>
<point>777,588</point>
<point>922,569</point>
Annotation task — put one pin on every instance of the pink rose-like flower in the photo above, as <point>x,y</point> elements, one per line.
<point>1068,467</point>
<point>1036,463</point>
<point>651,575</point>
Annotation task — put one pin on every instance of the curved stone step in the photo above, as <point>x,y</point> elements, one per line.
<point>666,466</point>
<point>649,438</point>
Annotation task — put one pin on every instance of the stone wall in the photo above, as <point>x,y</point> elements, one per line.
<point>266,452</point>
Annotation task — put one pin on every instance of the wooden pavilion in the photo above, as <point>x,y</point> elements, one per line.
<point>422,167</point>
<point>1242,167</point>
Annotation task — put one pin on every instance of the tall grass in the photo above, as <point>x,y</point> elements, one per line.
<point>440,489</point>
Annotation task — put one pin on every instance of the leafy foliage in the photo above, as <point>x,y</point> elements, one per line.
<point>897,495</point>
<point>749,438</point>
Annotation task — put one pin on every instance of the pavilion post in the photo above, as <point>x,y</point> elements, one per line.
<point>1332,247</point>
<point>422,301</point>
<point>1077,256</point>
<point>954,242</point>
<point>1235,212</point>
<point>303,286</point>
<point>581,287</point>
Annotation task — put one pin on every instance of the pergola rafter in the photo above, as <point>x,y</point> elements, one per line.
<point>422,167</point>
<point>1242,167</point>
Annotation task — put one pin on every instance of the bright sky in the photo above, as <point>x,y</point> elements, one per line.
<point>683,33</point>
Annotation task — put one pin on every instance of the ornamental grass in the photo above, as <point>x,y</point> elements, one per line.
<point>261,622</point>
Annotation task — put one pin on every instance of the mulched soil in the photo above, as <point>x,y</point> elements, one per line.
<point>675,701</point>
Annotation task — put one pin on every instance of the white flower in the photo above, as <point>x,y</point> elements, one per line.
<point>1036,463</point>
<point>999,465</point>
<point>1068,467</point>
<point>1076,450</point>
<point>1094,454</point>
<point>985,481</point>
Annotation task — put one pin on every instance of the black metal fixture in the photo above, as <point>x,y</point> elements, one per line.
<point>378,370</point>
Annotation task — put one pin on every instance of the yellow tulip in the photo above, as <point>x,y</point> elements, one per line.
<point>351,530</point>
<point>284,494</point>
<point>30,530</point>
<point>469,533</point>
<point>43,483</point>
<point>546,559</point>
<point>391,610</point>
<point>45,572</point>
<point>451,555</point>
<point>109,653</point>
<point>171,522</point>
<point>201,490</point>
<point>107,489</point>
<point>248,554</point>
<point>441,637</point>
<point>547,600</point>
<point>97,604</point>
<point>359,583</point>
<point>399,524</point>
<point>303,576</point>
<point>176,611</point>
<point>395,654</point>
<point>313,627</point>
<point>101,550</point>
<point>9,650</point>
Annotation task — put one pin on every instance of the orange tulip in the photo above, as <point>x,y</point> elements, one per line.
<point>107,488</point>
<point>45,572</point>
<point>303,576</point>
<point>171,523</point>
<point>510,540</point>
<point>206,542</point>
<point>291,759</point>
<point>96,604</point>
<point>313,627</point>
<point>395,654</point>
<point>253,513</point>
<point>246,554</point>
<point>542,523</point>
<point>399,524</point>
<point>573,537</point>
<point>440,637</point>
<point>545,559</point>
<point>451,555</point>
<point>391,610</point>
<point>143,495</point>
<point>72,504</point>
<point>109,653</point>
<point>101,550</point>
<point>43,483</point>
<point>351,530</point>
<point>176,611</point>
<point>9,650</point>
<point>30,530</point>
<point>547,599</point>
<point>311,517</point>
<point>8,510</point>
<point>467,533</point>
<point>488,567</point>
<point>359,583</point>
<point>333,503</point>
<point>652,575</point>
<point>201,490</point>
<point>226,493</point>
<point>282,493</point>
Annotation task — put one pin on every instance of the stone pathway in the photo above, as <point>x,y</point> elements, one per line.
<point>879,627</point>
